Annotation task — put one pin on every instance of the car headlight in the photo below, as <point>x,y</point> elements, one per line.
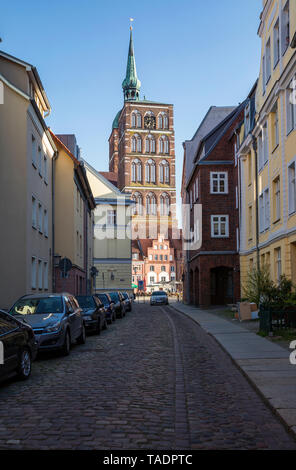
<point>53,328</point>
<point>87,317</point>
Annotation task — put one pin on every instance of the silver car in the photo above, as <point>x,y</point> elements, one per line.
<point>56,319</point>
<point>159,298</point>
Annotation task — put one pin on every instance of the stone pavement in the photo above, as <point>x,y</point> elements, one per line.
<point>153,380</point>
<point>265,364</point>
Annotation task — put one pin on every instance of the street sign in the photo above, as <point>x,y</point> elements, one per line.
<point>65,265</point>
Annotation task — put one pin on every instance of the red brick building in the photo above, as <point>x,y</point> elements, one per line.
<point>213,276</point>
<point>142,155</point>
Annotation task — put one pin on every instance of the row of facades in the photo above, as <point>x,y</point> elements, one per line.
<point>53,204</point>
<point>240,167</point>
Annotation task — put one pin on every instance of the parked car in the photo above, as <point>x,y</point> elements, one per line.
<point>56,319</point>
<point>109,306</point>
<point>18,347</point>
<point>119,305</point>
<point>127,301</point>
<point>159,297</point>
<point>93,310</point>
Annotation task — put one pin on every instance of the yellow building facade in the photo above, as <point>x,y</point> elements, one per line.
<point>267,152</point>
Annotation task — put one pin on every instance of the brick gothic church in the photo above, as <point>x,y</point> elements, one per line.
<point>142,156</point>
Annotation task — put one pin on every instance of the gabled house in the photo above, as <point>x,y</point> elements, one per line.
<point>213,267</point>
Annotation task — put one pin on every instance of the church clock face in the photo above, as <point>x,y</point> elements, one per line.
<point>149,122</point>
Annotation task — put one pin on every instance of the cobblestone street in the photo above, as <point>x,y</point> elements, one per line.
<point>153,380</point>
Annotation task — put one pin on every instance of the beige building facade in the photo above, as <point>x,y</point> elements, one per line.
<point>112,234</point>
<point>26,155</point>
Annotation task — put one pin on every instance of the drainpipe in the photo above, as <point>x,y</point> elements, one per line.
<point>55,156</point>
<point>254,142</point>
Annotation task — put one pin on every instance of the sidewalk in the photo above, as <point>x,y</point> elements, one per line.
<point>265,364</point>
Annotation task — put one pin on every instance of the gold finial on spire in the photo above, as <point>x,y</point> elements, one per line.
<point>131,25</point>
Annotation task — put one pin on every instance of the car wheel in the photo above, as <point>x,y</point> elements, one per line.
<point>25,365</point>
<point>82,338</point>
<point>67,344</point>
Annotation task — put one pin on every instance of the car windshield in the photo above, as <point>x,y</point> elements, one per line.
<point>103,298</point>
<point>85,301</point>
<point>33,306</point>
<point>114,296</point>
<point>160,292</point>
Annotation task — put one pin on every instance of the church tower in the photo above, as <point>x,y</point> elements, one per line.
<point>142,154</point>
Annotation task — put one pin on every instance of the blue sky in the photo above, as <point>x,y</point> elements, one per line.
<point>191,53</point>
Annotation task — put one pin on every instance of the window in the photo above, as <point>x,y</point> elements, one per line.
<point>150,257</point>
<point>45,172</point>
<point>33,272</point>
<point>268,62</point>
<point>163,145</point>
<point>150,171</point>
<point>160,257</point>
<point>276,44</point>
<point>263,73</point>
<point>138,207</point>
<point>164,204</point>
<point>152,279</point>
<point>291,106</point>
<point>219,183</point>
<point>196,188</point>
<point>160,122</point>
<point>150,144</point>
<point>40,275</point>
<point>163,279</point>
<point>34,212</point>
<point>45,219</point>
<point>171,257</point>
<point>264,214</point>
<point>165,257</point>
<point>135,256</point>
<point>136,171</point>
<point>163,268</point>
<point>285,28</point>
<point>263,147</point>
<point>111,217</point>
<point>172,268</point>
<point>151,268</point>
<point>275,122</point>
<point>165,121</point>
<point>278,263</point>
<point>136,119</point>
<point>164,172</point>
<point>292,188</point>
<point>40,218</point>
<point>219,226</point>
<point>34,152</point>
<point>136,143</point>
<point>249,168</point>
<point>155,257</point>
<point>150,204</point>
<point>250,222</point>
<point>277,199</point>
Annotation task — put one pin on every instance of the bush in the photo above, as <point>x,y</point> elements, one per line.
<point>259,286</point>
<point>261,289</point>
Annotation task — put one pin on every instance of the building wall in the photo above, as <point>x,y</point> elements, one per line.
<point>19,181</point>
<point>278,237</point>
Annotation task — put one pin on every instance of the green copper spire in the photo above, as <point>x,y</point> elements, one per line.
<point>131,84</point>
